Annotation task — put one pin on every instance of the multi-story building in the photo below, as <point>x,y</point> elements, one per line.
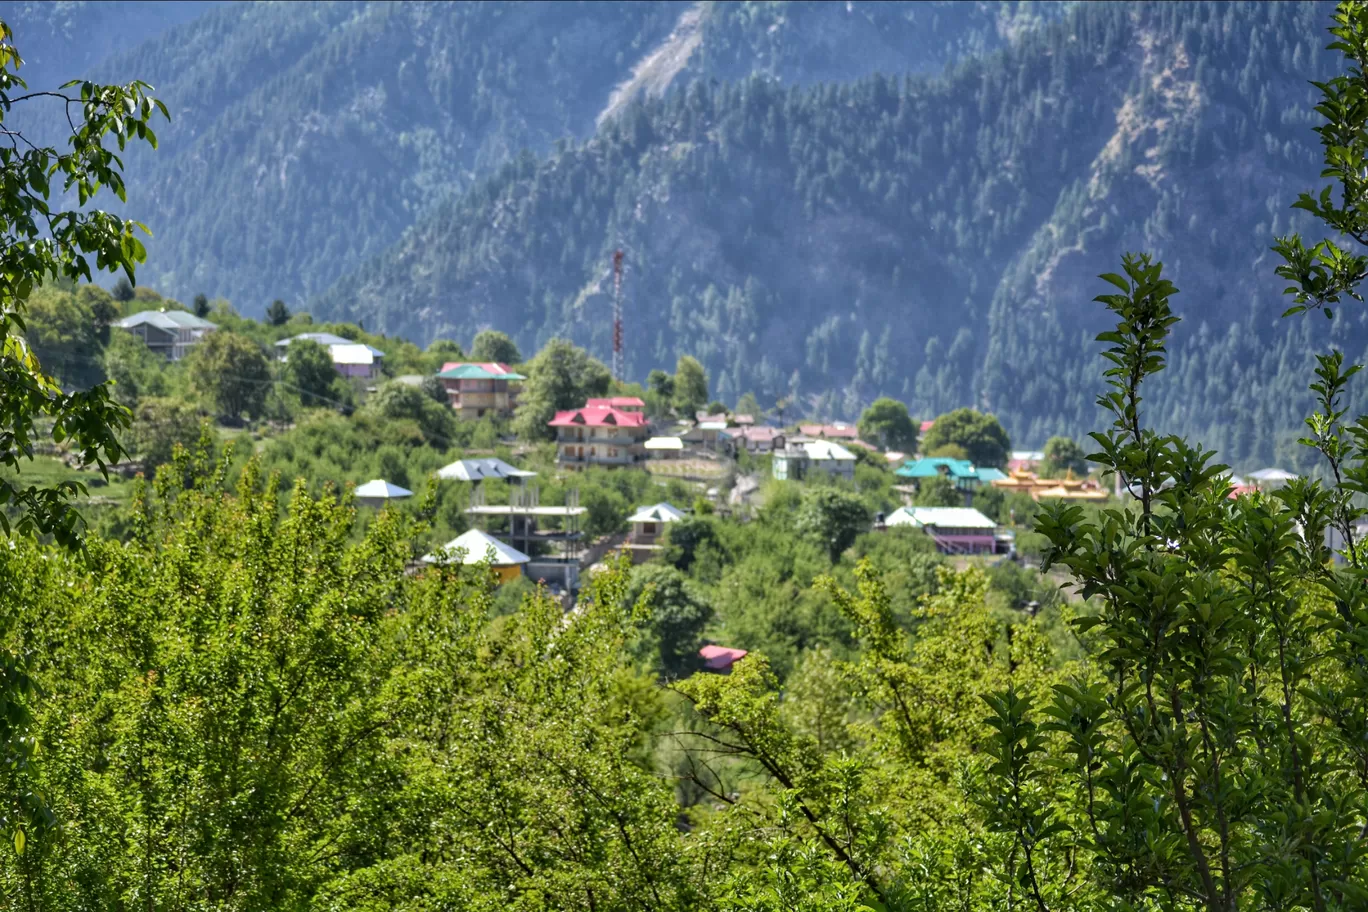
<point>479,389</point>
<point>797,459</point>
<point>169,333</point>
<point>621,403</point>
<point>349,358</point>
<point>600,435</point>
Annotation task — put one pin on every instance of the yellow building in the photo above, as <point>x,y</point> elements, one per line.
<point>475,547</point>
<point>1066,488</point>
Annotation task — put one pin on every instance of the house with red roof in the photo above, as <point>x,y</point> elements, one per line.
<point>600,435</point>
<point>720,659</point>
<point>476,389</point>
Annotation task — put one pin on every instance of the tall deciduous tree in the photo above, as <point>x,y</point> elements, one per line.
<point>832,518</point>
<point>310,372</point>
<point>690,392</point>
<point>492,345</point>
<point>561,376</point>
<point>982,436</point>
<point>37,241</point>
<point>1062,455</point>
<point>887,423</point>
<point>231,372</point>
<point>678,615</point>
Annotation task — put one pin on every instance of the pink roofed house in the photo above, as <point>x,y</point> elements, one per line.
<point>720,659</point>
<point>760,439</point>
<point>621,403</point>
<point>600,435</point>
<point>837,431</point>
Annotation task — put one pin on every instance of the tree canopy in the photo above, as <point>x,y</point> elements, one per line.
<point>689,389</point>
<point>982,437</point>
<point>492,345</point>
<point>1062,455</point>
<point>561,376</point>
<point>232,374</point>
<point>887,423</point>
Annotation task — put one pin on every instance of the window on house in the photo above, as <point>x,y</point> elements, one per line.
<point>648,528</point>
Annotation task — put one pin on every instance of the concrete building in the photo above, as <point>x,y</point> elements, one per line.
<point>170,333</point>
<point>349,358</point>
<point>479,389</point>
<point>600,435</point>
<point>955,530</point>
<point>797,459</point>
<point>759,438</point>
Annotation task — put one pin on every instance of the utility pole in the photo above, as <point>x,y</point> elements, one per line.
<point>617,316</point>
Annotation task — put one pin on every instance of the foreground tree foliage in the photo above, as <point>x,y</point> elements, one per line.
<point>255,705</point>
<point>38,242</point>
<point>261,715</point>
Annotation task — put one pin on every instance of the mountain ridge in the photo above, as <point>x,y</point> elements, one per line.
<point>941,243</point>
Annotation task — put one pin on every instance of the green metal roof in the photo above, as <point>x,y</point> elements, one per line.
<point>475,372</point>
<point>990,475</point>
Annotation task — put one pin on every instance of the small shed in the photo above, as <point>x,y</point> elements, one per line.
<point>648,523</point>
<point>664,447</point>
<point>378,492</point>
<point>474,547</point>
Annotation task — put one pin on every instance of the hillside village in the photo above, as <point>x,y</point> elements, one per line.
<point>684,456</point>
<point>716,460</point>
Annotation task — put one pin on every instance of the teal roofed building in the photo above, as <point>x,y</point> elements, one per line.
<point>960,471</point>
<point>479,389</point>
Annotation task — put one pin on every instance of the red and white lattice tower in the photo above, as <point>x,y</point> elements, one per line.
<point>617,316</point>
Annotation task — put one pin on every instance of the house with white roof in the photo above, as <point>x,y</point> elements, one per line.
<point>378,492</point>
<point>648,529</point>
<point>1267,479</point>
<point>477,470</point>
<point>349,358</point>
<point>955,530</point>
<point>798,458</point>
<point>475,547</point>
<point>170,333</point>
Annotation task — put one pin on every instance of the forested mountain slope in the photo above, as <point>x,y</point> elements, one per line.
<point>936,239</point>
<point>307,136</point>
<point>61,39</point>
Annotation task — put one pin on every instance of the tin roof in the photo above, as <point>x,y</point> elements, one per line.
<point>380,489</point>
<point>474,547</point>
